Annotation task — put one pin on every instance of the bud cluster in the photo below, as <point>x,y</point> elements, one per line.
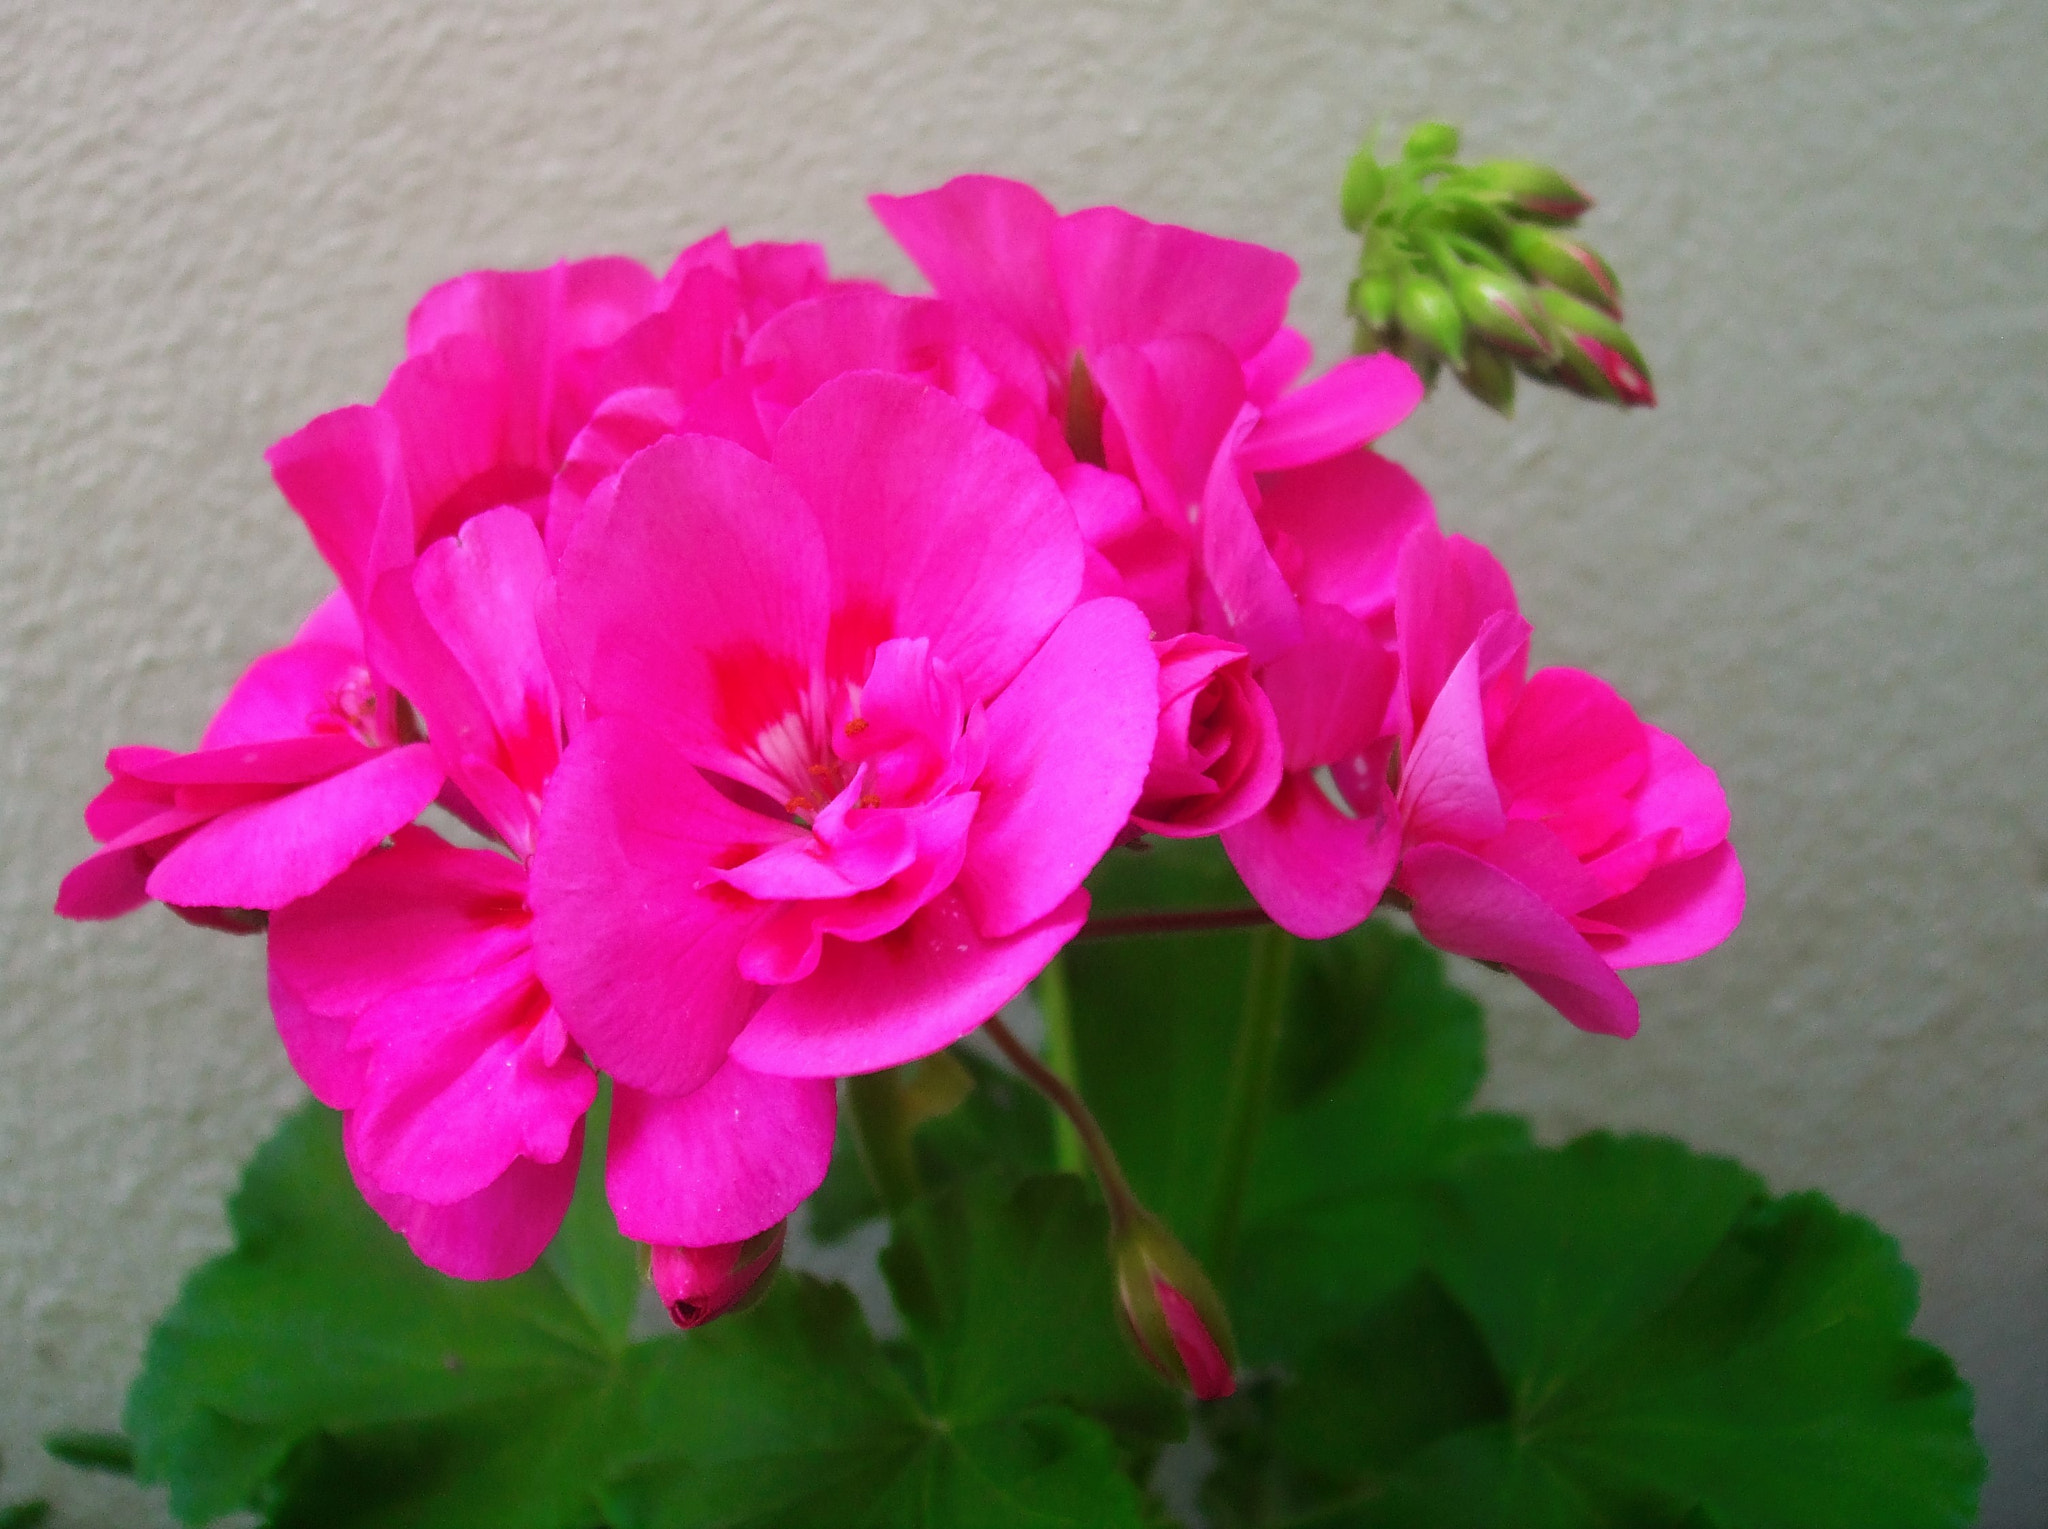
<point>1471,266</point>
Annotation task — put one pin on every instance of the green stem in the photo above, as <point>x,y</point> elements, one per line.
<point>881,1133</point>
<point>1056,1003</point>
<point>1116,1189</point>
<point>1251,1083</point>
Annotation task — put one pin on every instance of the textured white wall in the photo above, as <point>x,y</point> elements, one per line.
<point>1821,560</point>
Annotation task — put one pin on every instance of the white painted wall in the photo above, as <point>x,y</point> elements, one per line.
<point>1822,560</point>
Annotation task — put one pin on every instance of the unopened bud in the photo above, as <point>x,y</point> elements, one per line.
<point>1567,264</point>
<point>1595,344</point>
<point>1372,298</point>
<point>699,1285</point>
<point>1364,182</point>
<point>1490,377</point>
<point>1427,311</point>
<point>1430,140</point>
<point>1171,1310</point>
<point>1502,311</point>
<point>1536,190</point>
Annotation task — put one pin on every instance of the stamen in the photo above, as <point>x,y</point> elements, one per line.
<point>856,727</point>
<point>869,799</point>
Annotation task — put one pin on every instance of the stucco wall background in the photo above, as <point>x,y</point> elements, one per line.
<point>1822,560</point>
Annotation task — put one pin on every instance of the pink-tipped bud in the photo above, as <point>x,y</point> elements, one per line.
<point>1535,190</point>
<point>1501,311</point>
<point>1566,264</point>
<point>1630,382</point>
<point>1597,359</point>
<point>699,1285</point>
<point>1172,1312</point>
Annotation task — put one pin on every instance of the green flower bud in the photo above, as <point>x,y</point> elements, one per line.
<point>1537,191</point>
<point>1567,264</point>
<point>1501,311</point>
<point>1597,358</point>
<point>1372,298</point>
<point>1430,140</point>
<point>1364,183</point>
<point>1490,377</point>
<point>1426,310</point>
<point>1171,1311</point>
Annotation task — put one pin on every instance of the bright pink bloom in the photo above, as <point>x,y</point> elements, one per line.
<point>699,1285</point>
<point>405,991</point>
<point>1217,756</point>
<point>854,748</point>
<point>300,772</point>
<point>1166,359</point>
<point>1543,826</point>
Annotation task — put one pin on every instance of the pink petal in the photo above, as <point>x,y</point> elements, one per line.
<point>420,913</point>
<point>268,853</point>
<point>1124,281</point>
<point>1252,602</point>
<point>1148,561</point>
<point>805,347</point>
<point>470,441</point>
<point>1050,809</point>
<point>1330,694</point>
<point>479,591</point>
<point>494,1234</point>
<point>1571,754</point>
<point>697,600</point>
<point>1447,589</point>
<point>1447,786</point>
<point>465,1078</point>
<point>883,1002</point>
<point>986,243</point>
<point>1348,518</point>
<point>106,884</point>
<point>316,1045</point>
<point>722,1163</point>
<point>343,474</point>
<point>935,524</point>
<point>1470,908</point>
<point>635,937</point>
<point>1316,870</point>
<point>1172,402</point>
<point>1679,911</point>
<point>625,424</point>
<point>1278,362</point>
<point>282,761</point>
<point>1356,401</point>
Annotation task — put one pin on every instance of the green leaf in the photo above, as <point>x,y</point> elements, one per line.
<point>32,1514</point>
<point>1004,1126</point>
<point>89,1451</point>
<point>1379,1058</point>
<point>794,1417</point>
<point>1632,1334</point>
<point>320,1331</point>
<point>601,1269</point>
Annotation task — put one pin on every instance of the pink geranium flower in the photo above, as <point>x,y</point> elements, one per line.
<point>405,990</point>
<point>299,773</point>
<point>854,747</point>
<point>1529,821</point>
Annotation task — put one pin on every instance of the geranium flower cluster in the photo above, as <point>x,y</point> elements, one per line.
<point>779,654</point>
